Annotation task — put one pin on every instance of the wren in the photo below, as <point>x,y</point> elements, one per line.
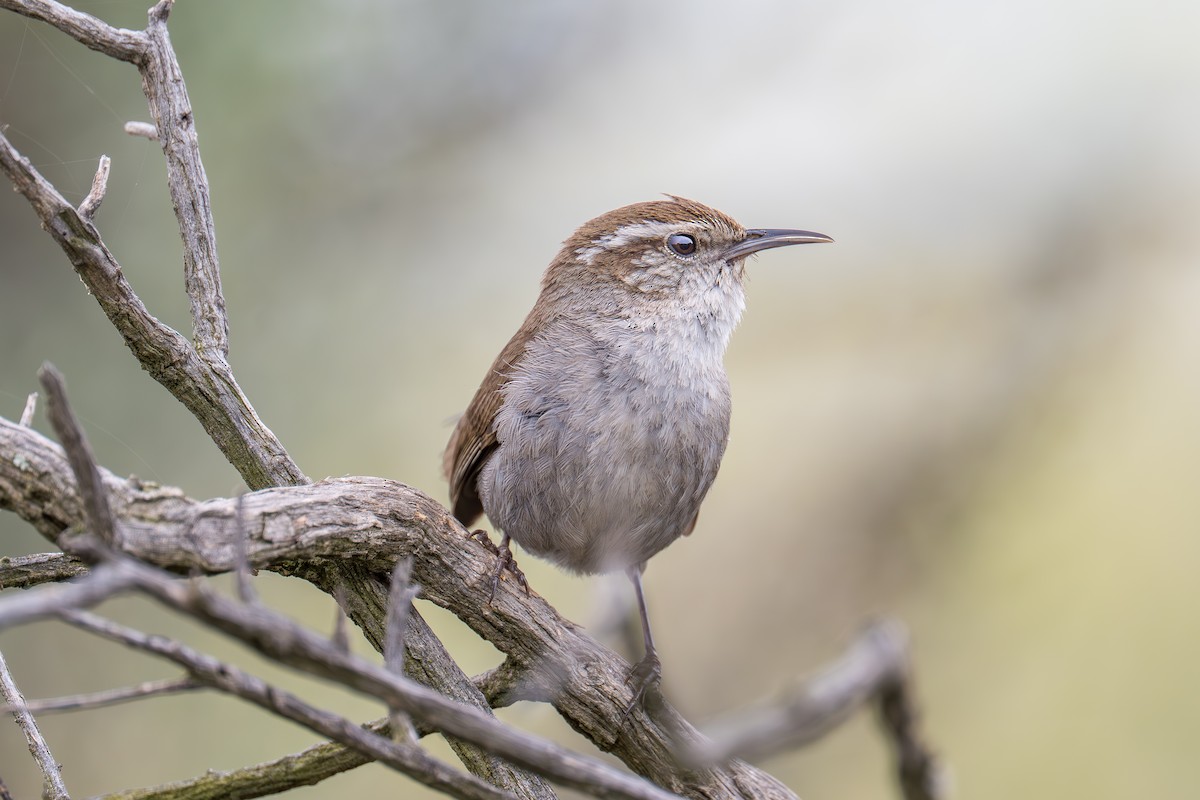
<point>600,427</point>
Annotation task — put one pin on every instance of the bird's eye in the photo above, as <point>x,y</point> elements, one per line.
<point>681,244</point>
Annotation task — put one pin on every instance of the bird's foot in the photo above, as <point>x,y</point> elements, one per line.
<point>644,676</point>
<point>504,560</point>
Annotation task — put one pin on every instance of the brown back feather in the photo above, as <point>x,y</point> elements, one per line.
<point>474,436</point>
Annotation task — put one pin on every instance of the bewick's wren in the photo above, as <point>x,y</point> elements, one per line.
<point>600,427</point>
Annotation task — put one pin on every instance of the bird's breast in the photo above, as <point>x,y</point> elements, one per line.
<point>607,446</point>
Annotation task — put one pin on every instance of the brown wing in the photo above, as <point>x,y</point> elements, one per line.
<point>474,437</point>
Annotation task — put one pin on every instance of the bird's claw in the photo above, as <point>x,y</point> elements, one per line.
<point>504,560</point>
<point>643,676</point>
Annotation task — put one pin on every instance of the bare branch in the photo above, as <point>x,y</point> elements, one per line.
<point>241,570</point>
<point>286,642</point>
<point>30,409</point>
<point>427,661</point>
<point>91,203</point>
<point>306,768</point>
<point>53,787</point>
<point>21,572</point>
<point>340,638</point>
<point>399,605</point>
<point>313,530</point>
<point>410,760</point>
<point>874,667</point>
<point>110,697</point>
<point>36,483</point>
<point>922,776</point>
<point>145,129</point>
<point>100,584</point>
<point>171,109</point>
<point>119,43</point>
<point>546,658</point>
<point>821,704</point>
<point>509,683</point>
<point>79,454</point>
<point>200,378</point>
<point>400,598</point>
<point>205,386</point>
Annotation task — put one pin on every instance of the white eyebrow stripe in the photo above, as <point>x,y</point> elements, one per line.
<point>636,231</point>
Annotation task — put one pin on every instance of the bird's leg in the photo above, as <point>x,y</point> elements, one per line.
<point>647,672</point>
<point>504,560</point>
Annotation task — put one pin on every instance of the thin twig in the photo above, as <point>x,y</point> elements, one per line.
<point>79,454</point>
<point>109,697</point>
<point>91,203</point>
<point>340,638</point>
<point>400,598</point>
<point>144,129</point>
<point>53,787</point>
<point>241,570</point>
<point>408,759</point>
<point>30,409</point>
<point>399,605</point>
<point>922,774</point>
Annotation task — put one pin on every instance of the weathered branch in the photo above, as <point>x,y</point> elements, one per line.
<point>79,456</point>
<point>119,43</point>
<point>373,522</point>
<point>171,110</point>
<point>200,377</point>
<point>91,203</point>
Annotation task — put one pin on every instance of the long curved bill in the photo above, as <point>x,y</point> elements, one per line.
<point>766,238</point>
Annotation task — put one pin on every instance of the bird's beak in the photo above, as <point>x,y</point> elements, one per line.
<point>766,238</point>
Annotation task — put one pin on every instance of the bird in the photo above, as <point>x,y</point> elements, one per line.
<point>599,428</point>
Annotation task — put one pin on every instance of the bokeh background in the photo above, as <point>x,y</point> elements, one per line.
<point>978,411</point>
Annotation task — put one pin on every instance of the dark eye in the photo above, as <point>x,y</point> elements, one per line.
<point>681,244</point>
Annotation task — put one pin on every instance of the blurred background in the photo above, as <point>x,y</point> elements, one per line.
<point>977,412</point>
